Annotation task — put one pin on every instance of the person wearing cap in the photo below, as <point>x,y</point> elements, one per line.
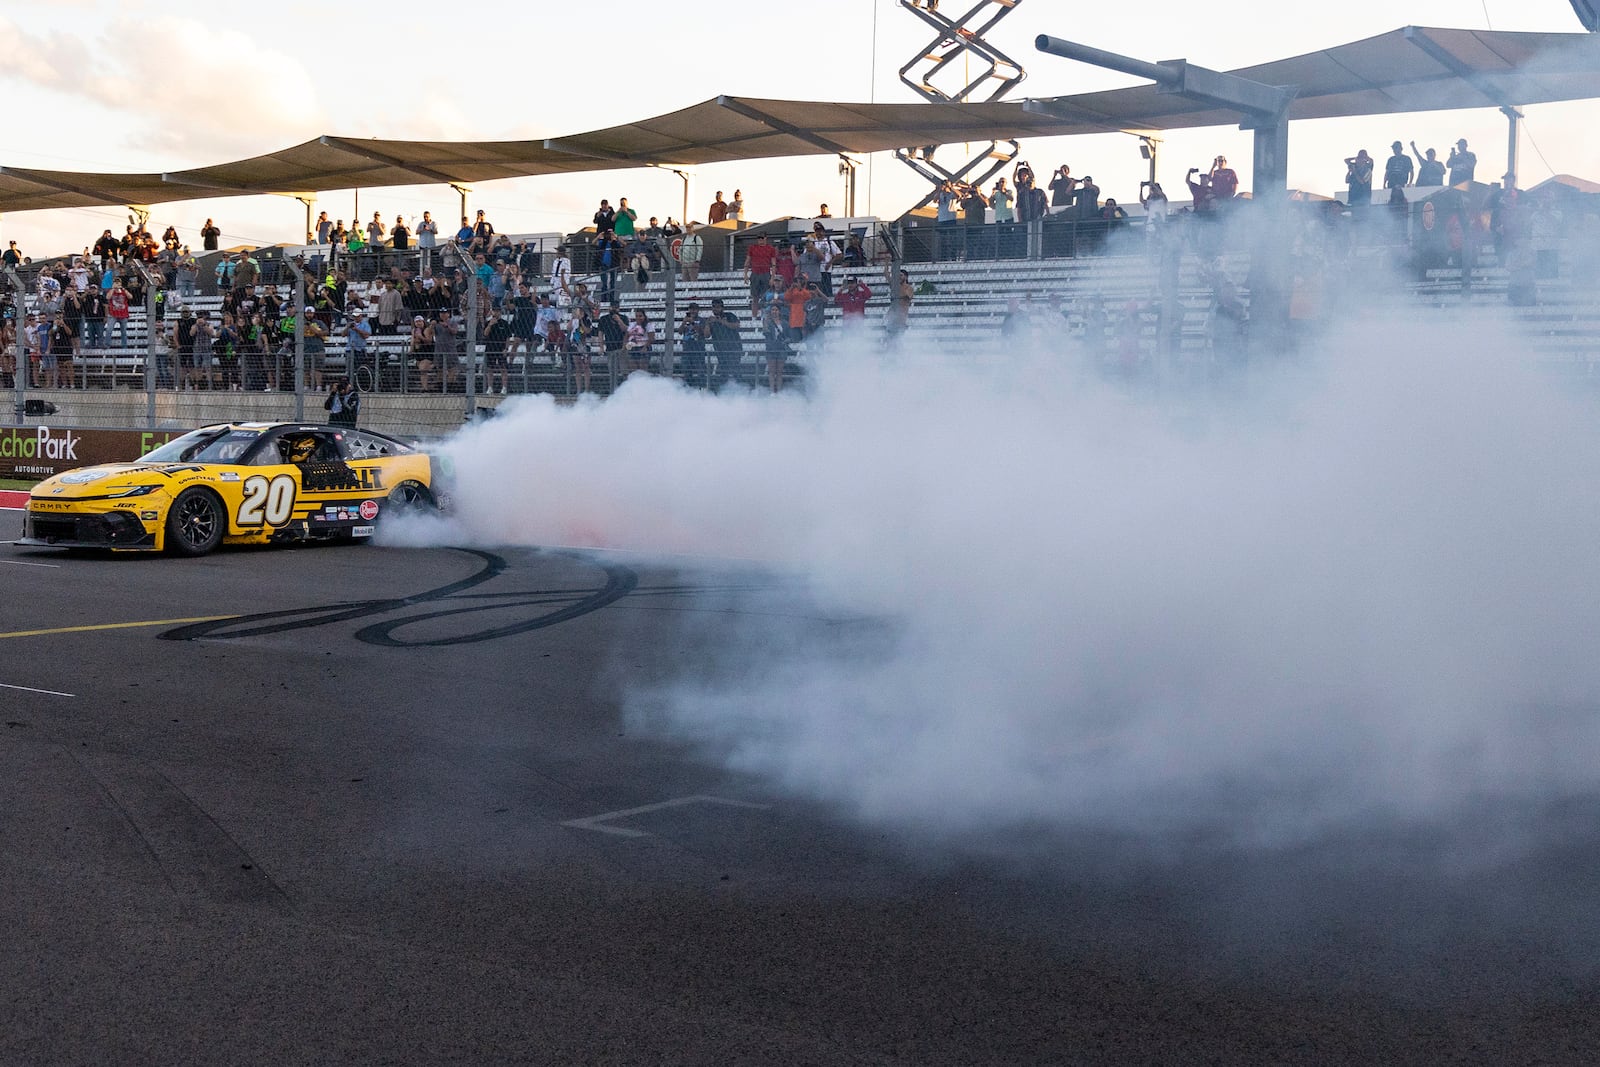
<point>1430,172</point>
<point>356,334</point>
<point>691,252</point>
<point>1462,163</point>
<point>1397,169</point>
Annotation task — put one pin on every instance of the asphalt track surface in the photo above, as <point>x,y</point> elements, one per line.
<point>370,805</point>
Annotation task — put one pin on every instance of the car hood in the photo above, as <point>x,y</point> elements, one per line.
<point>88,483</point>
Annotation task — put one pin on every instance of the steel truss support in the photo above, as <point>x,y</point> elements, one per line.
<point>959,39</point>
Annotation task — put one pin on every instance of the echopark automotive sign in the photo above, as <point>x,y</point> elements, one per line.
<point>40,451</point>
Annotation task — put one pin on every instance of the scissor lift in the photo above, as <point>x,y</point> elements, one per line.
<point>960,39</point>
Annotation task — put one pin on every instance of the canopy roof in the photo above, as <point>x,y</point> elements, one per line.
<point>1406,70</point>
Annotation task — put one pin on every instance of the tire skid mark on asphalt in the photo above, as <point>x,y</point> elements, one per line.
<point>196,855</point>
<point>620,582</point>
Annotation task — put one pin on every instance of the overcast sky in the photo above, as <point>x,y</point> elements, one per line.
<point>142,86</point>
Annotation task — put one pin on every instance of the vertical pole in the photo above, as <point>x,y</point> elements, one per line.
<point>20,294</point>
<point>152,329</point>
<point>1271,276</point>
<point>669,329</point>
<point>469,344</point>
<point>299,335</point>
<point>1513,139</point>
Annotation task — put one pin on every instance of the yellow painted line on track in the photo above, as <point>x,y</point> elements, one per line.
<point>114,626</point>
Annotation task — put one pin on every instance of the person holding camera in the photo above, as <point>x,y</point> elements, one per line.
<point>343,403</point>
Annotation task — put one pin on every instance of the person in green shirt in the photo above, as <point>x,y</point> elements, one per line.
<point>626,217</point>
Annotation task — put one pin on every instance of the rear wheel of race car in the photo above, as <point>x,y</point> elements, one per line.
<point>411,498</point>
<point>195,523</point>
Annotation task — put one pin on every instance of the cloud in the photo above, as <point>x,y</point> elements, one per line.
<point>204,94</point>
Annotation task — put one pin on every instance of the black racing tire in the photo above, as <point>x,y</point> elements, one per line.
<point>195,523</point>
<point>411,498</point>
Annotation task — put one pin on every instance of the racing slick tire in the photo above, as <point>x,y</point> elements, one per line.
<point>195,523</point>
<point>411,498</point>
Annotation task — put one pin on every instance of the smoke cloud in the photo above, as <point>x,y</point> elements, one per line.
<point>1356,585</point>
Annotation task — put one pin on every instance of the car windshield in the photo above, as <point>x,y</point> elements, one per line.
<point>206,446</point>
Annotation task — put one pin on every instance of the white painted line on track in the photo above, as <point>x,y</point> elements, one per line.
<point>594,822</point>
<point>21,563</point>
<point>45,692</point>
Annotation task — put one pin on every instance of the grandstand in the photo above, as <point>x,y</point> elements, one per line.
<point>1108,307</point>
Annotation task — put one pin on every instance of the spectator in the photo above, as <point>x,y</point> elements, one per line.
<point>343,403</point>
<point>638,256</point>
<point>226,347</point>
<point>117,304</point>
<point>671,229</point>
<point>448,345</point>
<point>726,340</point>
<point>1224,182</point>
<point>105,248</point>
<point>482,233</point>
<point>608,252</point>
<point>605,219</point>
<point>376,231</point>
<point>205,336</point>
<point>690,253</point>
<point>1062,185</point>
<point>55,362</point>
<point>758,264</point>
<point>736,206</point>
<point>188,273</point>
<point>823,212</point>
<point>464,233</point>
<point>852,301</point>
<point>639,342</point>
<point>1463,163</point>
<point>79,275</point>
<point>94,317</point>
<point>822,251</point>
<point>419,352</point>
<point>389,306</point>
<point>945,204</point>
<point>1003,200</point>
<point>1358,174</point>
<point>324,228</point>
<point>1022,180</point>
<point>693,333</point>
<point>340,235</point>
<point>12,257</point>
<point>1429,170</point>
<point>1154,201</point>
<point>356,334</point>
<point>427,231</point>
<point>718,211</point>
<point>561,270</point>
<point>974,206</point>
<point>899,317</point>
<point>626,217</point>
<point>400,236</point>
<point>495,340</point>
<point>854,254</point>
<point>788,266</point>
<point>209,235</point>
<point>1397,168</point>
<point>246,276</point>
<point>613,330</point>
<point>1086,200</point>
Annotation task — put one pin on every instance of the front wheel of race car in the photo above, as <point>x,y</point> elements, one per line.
<point>195,523</point>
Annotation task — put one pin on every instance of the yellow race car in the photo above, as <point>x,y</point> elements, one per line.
<point>239,484</point>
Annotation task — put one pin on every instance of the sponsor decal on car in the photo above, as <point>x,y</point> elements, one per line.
<point>363,531</point>
<point>369,509</point>
<point>84,477</point>
<point>50,505</point>
<point>229,476</point>
<point>149,516</point>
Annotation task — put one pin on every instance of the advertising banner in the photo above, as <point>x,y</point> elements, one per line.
<point>40,451</point>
